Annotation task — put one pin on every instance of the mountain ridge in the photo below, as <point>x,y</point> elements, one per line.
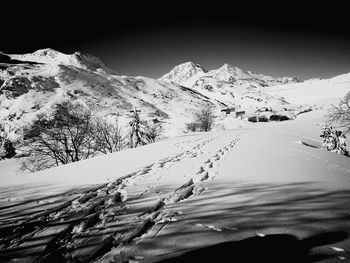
<point>185,73</point>
<point>38,80</point>
<point>31,83</point>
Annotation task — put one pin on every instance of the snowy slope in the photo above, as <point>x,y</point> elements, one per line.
<point>312,91</point>
<point>182,194</point>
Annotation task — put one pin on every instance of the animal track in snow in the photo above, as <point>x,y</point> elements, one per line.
<point>201,177</point>
<point>216,157</point>
<point>99,208</point>
<point>201,170</point>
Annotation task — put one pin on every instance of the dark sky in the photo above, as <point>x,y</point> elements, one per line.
<point>135,39</point>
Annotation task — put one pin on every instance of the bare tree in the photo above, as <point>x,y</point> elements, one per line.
<point>71,133</point>
<point>109,136</point>
<point>205,118</point>
<point>340,115</point>
<point>66,136</point>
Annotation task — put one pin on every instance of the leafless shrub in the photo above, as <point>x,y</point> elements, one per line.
<point>109,137</point>
<point>67,135</point>
<point>72,133</point>
<point>192,126</point>
<point>205,118</point>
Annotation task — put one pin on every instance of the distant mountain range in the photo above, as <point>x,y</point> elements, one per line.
<point>188,74</point>
<point>32,83</point>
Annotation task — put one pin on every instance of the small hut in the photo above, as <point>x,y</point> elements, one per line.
<point>227,111</point>
<point>240,114</point>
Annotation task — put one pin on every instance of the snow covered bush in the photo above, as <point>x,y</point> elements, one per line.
<point>340,114</point>
<point>141,131</point>
<point>334,140</point>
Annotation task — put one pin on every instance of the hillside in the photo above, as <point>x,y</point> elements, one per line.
<point>313,91</point>
<point>32,83</point>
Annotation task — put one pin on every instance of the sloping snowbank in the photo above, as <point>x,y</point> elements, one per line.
<point>311,92</point>
<point>100,169</point>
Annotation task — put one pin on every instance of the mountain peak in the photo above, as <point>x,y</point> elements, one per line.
<point>226,72</point>
<point>54,58</point>
<point>188,73</point>
<point>189,65</point>
<point>183,72</point>
<point>45,56</point>
<point>47,52</point>
<point>226,65</point>
<point>89,61</point>
<point>229,67</point>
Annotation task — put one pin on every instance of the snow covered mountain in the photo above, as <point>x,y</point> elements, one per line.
<point>32,83</point>
<point>188,74</point>
<point>184,72</point>
<point>228,84</point>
